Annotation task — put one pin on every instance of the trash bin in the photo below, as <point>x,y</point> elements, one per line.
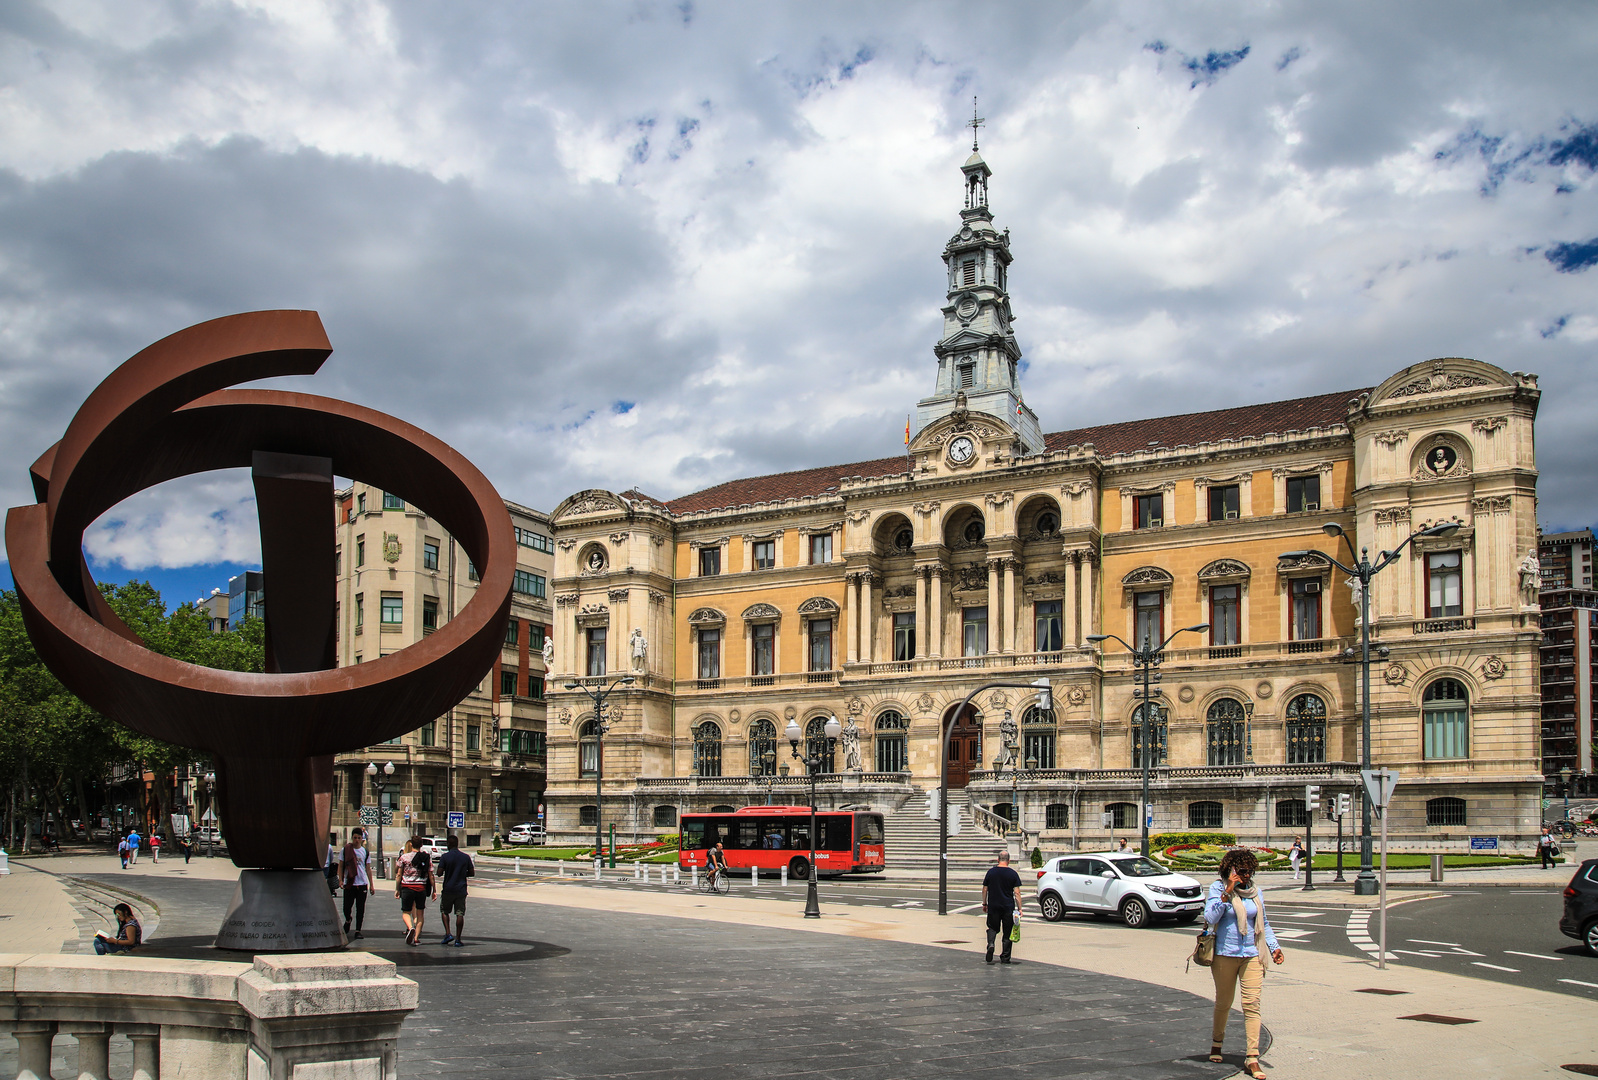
<point>1437,868</point>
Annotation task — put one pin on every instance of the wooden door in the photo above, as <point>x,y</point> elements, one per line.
<point>965,747</point>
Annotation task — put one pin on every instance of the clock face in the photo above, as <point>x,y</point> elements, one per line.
<point>962,450</point>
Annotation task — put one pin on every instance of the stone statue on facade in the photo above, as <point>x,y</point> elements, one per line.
<point>851,746</point>
<point>1356,589</point>
<point>1531,574</point>
<point>640,649</point>
<point>1008,734</point>
<point>549,653</point>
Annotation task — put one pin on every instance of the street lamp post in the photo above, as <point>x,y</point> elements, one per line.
<point>813,763</point>
<point>598,694</point>
<point>377,792</point>
<point>1045,702</point>
<point>495,794</point>
<point>1147,658</point>
<point>210,807</point>
<point>1363,571</point>
<point>1564,777</point>
<point>769,760</point>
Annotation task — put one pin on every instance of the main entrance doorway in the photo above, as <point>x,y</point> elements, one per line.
<point>965,746</point>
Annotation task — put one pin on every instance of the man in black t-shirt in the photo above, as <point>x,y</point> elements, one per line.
<point>1001,899</point>
<point>454,867</point>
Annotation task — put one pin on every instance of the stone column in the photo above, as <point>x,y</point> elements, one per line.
<point>146,1039</point>
<point>995,616</point>
<point>935,627</point>
<point>922,633</point>
<point>867,617</point>
<point>1089,597</point>
<point>1070,629</point>
<point>94,1048</point>
<point>851,611</point>
<point>33,1047</point>
<point>1009,605</point>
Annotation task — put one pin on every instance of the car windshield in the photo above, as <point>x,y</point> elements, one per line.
<point>1140,867</point>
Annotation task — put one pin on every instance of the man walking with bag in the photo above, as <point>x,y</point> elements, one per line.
<point>355,870</point>
<point>1001,899</point>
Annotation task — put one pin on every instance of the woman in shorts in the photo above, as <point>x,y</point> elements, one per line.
<point>413,884</point>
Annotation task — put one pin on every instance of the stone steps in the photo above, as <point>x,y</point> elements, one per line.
<point>912,837</point>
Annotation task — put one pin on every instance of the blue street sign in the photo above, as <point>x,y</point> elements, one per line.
<point>456,819</point>
<point>1484,843</point>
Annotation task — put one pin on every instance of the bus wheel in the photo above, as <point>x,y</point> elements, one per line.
<point>799,867</point>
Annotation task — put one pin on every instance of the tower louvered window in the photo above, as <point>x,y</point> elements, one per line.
<point>968,272</point>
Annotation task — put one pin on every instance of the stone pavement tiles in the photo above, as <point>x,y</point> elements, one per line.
<point>581,992</point>
<point>37,913</point>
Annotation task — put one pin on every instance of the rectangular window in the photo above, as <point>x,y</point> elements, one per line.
<point>1444,596</point>
<point>765,554</point>
<point>1149,625</point>
<point>338,561</point>
<point>392,502</point>
<point>360,503</point>
<point>709,561</point>
<point>536,541</point>
<point>820,549</point>
<point>471,571</point>
<point>1224,614</point>
<point>393,610</point>
<point>763,638</point>
<point>596,651</point>
<point>535,637</point>
<point>507,682</point>
<point>471,800</point>
<point>535,687</point>
<point>968,376</point>
<point>473,738</point>
<point>429,733</point>
<point>507,801</point>
<point>1057,816</point>
<point>360,611</point>
<point>1048,621</point>
<point>1225,502</point>
<point>820,644</point>
<point>709,653</point>
<point>429,615</point>
<point>1303,493</point>
<point>968,272</point>
<point>427,798</point>
<point>1150,511</point>
<point>974,625</point>
<point>528,583</point>
<point>512,635</point>
<point>1306,622</point>
<point>904,635</point>
<point>429,555</point>
<point>360,551</point>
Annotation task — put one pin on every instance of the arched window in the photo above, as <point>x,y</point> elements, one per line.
<point>1204,815</point>
<point>762,741</point>
<point>1225,729</point>
<point>587,750</point>
<point>588,815</point>
<point>1306,730</point>
<point>1445,811</point>
<point>1157,733</point>
<point>665,816</point>
<point>816,744</point>
<point>1123,815</point>
<point>892,756</point>
<point>1057,816</point>
<point>1290,814</point>
<point>1037,738</point>
<point>723,809</point>
<point>707,749</point>
<point>1006,811</point>
<point>1445,719</point>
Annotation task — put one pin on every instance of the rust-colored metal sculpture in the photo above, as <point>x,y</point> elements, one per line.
<point>168,412</point>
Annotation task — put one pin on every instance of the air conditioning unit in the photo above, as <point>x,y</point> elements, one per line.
<point>1155,523</point>
<point>1312,586</point>
<point>1312,505</point>
<point>1230,514</point>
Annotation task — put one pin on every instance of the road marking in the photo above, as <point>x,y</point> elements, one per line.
<point>1423,941</point>
<point>1534,956</point>
<point>1299,914</point>
<point>1412,952</point>
<point>968,907</point>
<point>1495,967</point>
<point>1294,933</point>
<point>1578,982</point>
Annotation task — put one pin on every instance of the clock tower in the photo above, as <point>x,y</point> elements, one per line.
<point>978,357</point>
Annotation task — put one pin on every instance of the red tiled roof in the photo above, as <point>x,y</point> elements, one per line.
<point>1322,410</point>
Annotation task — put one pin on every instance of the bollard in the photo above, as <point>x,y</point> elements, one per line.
<point>693,873</point>
<point>1437,868</point>
<point>596,869</point>
<point>676,875</point>
<point>754,875</point>
<point>785,875</point>
<point>518,864</point>
<point>635,871</point>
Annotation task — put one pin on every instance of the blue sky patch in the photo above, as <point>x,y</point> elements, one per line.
<point>1553,328</point>
<point>1573,258</point>
<point>1288,57</point>
<point>1580,148</point>
<point>1213,65</point>
<point>622,408</point>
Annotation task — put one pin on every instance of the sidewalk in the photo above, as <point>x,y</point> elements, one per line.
<point>36,914</point>
<point>1324,1027</point>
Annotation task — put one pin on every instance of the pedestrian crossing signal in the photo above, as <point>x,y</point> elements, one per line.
<point>1312,798</point>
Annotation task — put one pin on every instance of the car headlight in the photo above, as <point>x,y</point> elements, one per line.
<point>1159,889</point>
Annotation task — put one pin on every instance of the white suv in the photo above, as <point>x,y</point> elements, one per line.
<point>527,833</point>
<point>1136,888</point>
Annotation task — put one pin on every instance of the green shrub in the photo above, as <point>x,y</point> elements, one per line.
<point>1169,839</point>
<point>1037,857</point>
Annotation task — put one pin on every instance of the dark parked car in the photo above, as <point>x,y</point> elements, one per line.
<point>1580,920</point>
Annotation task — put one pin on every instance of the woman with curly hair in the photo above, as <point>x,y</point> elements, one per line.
<point>1236,911</point>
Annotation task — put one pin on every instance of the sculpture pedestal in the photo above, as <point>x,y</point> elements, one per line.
<point>281,911</point>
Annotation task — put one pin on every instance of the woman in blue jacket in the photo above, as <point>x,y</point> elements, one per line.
<point>1236,912</point>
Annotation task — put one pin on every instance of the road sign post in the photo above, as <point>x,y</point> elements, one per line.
<point>1312,803</point>
<point>1379,784</point>
<point>455,819</point>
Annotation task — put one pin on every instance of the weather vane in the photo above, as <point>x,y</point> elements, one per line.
<point>974,123</point>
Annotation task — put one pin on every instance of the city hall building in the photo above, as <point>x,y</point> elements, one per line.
<point>883,592</point>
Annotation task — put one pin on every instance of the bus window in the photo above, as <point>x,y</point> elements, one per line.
<point>837,833</point>
<point>743,834</point>
<point>773,838</point>
<point>870,827</point>
<point>800,840</point>
<point>693,835</point>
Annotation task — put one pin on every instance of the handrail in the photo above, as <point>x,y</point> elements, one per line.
<point>989,822</point>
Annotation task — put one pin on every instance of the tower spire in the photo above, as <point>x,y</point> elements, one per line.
<point>974,123</point>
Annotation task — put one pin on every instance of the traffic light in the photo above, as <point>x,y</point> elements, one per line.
<point>954,820</point>
<point>1312,798</point>
<point>1345,804</point>
<point>932,803</point>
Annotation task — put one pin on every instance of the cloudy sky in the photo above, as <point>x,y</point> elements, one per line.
<point>668,244</point>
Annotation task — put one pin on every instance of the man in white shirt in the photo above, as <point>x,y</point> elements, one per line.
<point>354,868</point>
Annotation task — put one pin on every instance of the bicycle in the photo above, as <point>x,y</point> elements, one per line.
<point>716,882</point>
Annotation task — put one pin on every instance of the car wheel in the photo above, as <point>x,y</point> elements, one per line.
<point>1134,912</point>
<point>1052,906</point>
<point>1589,937</point>
<point>1187,919</point>
<point>799,867</point>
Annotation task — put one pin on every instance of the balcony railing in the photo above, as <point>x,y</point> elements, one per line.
<point>1330,770</point>
<point>1444,626</point>
<point>758,784</point>
<point>1296,647</point>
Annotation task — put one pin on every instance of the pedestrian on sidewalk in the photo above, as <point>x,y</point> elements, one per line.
<point>134,840</point>
<point>1545,847</point>
<point>413,885</point>
<point>454,867</point>
<point>1001,899</point>
<point>122,851</point>
<point>129,935</point>
<point>1295,855</point>
<point>1236,910</point>
<point>155,848</point>
<point>187,843</point>
<point>354,868</point>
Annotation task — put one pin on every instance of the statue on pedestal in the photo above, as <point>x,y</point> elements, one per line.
<point>851,746</point>
<point>1530,578</point>
<point>640,649</point>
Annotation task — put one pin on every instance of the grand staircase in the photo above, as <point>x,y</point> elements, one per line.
<point>912,838</point>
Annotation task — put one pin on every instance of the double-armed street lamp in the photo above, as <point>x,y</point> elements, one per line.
<point>1363,570</point>
<point>1146,659</point>
<point>814,757</point>
<point>598,694</point>
<point>377,792</point>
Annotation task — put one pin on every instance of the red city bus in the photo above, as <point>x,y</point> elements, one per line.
<point>772,837</point>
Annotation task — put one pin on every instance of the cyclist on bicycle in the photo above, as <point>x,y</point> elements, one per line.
<point>715,863</point>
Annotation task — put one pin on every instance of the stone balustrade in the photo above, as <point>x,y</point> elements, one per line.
<point>300,1016</point>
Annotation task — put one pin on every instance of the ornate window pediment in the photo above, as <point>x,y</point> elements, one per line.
<point>1148,577</point>
<point>1311,562</point>
<point>707,616</point>
<point>818,606</point>
<point>761,613</point>
<point>1224,570</point>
